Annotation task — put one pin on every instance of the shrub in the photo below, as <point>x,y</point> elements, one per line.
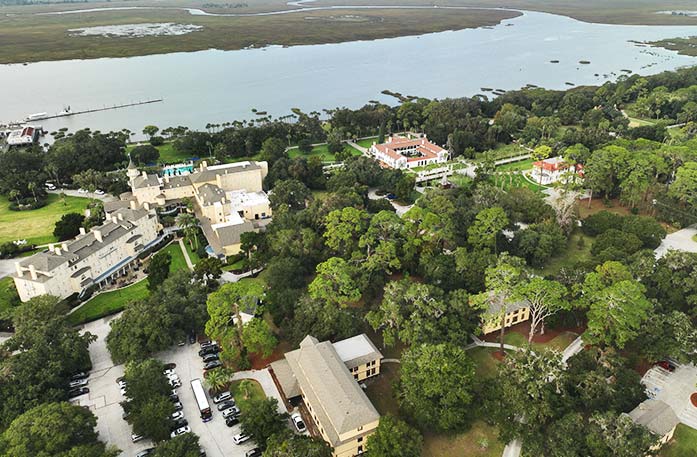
<point>601,222</point>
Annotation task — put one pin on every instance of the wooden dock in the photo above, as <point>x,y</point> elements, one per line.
<point>94,110</point>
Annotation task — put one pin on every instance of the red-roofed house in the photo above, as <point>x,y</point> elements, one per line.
<point>406,153</point>
<point>26,136</point>
<point>551,170</point>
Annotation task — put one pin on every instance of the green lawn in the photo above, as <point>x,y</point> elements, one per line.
<point>244,391</point>
<point>460,180</point>
<point>558,343</point>
<point>169,155</point>
<point>503,151</point>
<point>36,226</point>
<point>193,256</point>
<point>480,440</point>
<point>522,165</point>
<point>574,253</point>
<point>367,142</point>
<point>178,260</point>
<point>323,152</point>
<point>515,181</point>
<point>109,303</point>
<point>8,293</point>
<point>684,443</point>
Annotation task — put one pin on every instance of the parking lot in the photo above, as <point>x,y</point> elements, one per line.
<point>104,400</point>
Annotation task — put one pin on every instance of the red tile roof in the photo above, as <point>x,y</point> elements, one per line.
<point>396,143</point>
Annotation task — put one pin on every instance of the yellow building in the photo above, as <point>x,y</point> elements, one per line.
<point>229,199</point>
<point>515,314</point>
<point>325,376</point>
<point>93,258</point>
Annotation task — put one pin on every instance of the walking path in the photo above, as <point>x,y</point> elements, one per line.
<point>678,241</point>
<point>358,147</point>
<point>186,255</point>
<point>229,276</point>
<point>390,361</point>
<point>74,193</point>
<point>263,377</point>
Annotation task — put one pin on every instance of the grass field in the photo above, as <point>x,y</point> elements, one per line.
<point>486,363</point>
<point>686,46</point>
<point>108,303</point>
<point>322,152</point>
<point>480,440</point>
<point>367,142</point>
<point>178,260</point>
<point>684,443</point>
<point>192,253</point>
<point>574,253</point>
<point>245,391</point>
<point>36,226</point>
<point>558,343</point>
<point>168,154</point>
<point>32,38</point>
<point>8,293</point>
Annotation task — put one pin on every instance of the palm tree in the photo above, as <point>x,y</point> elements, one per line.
<point>14,195</point>
<point>32,187</point>
<point>189,224</point>
<point>62,197</point>
<point>217,380</point>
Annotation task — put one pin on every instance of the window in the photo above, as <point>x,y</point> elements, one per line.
<point>360,428</point>
<point>360,439</point>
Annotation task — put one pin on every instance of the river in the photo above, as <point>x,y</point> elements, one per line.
<point>220,86</point>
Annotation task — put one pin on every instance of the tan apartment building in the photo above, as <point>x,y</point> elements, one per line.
<point>93,258</point>
<point>229,198</point>
<point>326,376</point>
<point>516,313</point>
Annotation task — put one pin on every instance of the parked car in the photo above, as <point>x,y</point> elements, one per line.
<point>180,431</point>
<point>80,375</point>
<point>81,191</point>
<point>240,438</point>
<point>206,343</point>
<point>78,383</point>
<point>123,391</point>
<point>177,415</point>
<point>201,452</point>
<point>231,412</point>
<point>173,377</point>
<point>209,350</point>
<point>391,197</point>
<point>223,396</point>
<point>170,366</point>
<point>298,422</point>
<point>169,372</point>
<point>226,404</point>
<point>212,365</point>
<point>232,420</point>
<point>174,397</point>
<point>192,337</point>
<point>256,452</point>
<point>99,192</point>
<point>135,438</point>
<point>50,186</point>
<point>179,423</point>
<point>178,406</point>
<point>145,452</point>
<point>210,357</point>
<point>175,383</point>
<point>72,393</point>
<point>666,365</point>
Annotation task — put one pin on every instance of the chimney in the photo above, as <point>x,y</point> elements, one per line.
<point>64,246</point>
<point>166,178</point>
<point>134,204</point>
<point>120,216</point>
<point>82,231</point>
<point>58,251</point>
<point>114,219</point>
<point>204,165</point>
<point>146,205</point>
<point>51,247</point>
<point>98,235</point>
<point>18,269</point>
<point>145,174</point>
<point>32,272</point>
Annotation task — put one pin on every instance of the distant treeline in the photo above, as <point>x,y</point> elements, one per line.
<point>40,2</point>
<point>225,5</point>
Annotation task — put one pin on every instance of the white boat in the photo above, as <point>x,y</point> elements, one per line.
<point>33,117</point>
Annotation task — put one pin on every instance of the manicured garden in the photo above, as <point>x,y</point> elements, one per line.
<point>108,303</point>
<point>36,226</point>
<point>367,142</point>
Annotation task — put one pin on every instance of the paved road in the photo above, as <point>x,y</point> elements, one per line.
<point>679,241</point>
<point>513,449</point>
<point>7,267</point>
<point>75,193</point>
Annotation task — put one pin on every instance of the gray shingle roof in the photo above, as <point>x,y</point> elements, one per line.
<point>230,234</point>
<point>87,244</point>
<point>655,415</point>
<point>211,173</point>
<point>337,399</point>
<point>145,181</point>
<point>210,193</point>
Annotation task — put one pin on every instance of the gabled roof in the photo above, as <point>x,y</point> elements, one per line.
<point>145,181</point>
<point>655,415</point>
<point>210,193</point>
<point>337,399</point>
<point>396,144</point>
